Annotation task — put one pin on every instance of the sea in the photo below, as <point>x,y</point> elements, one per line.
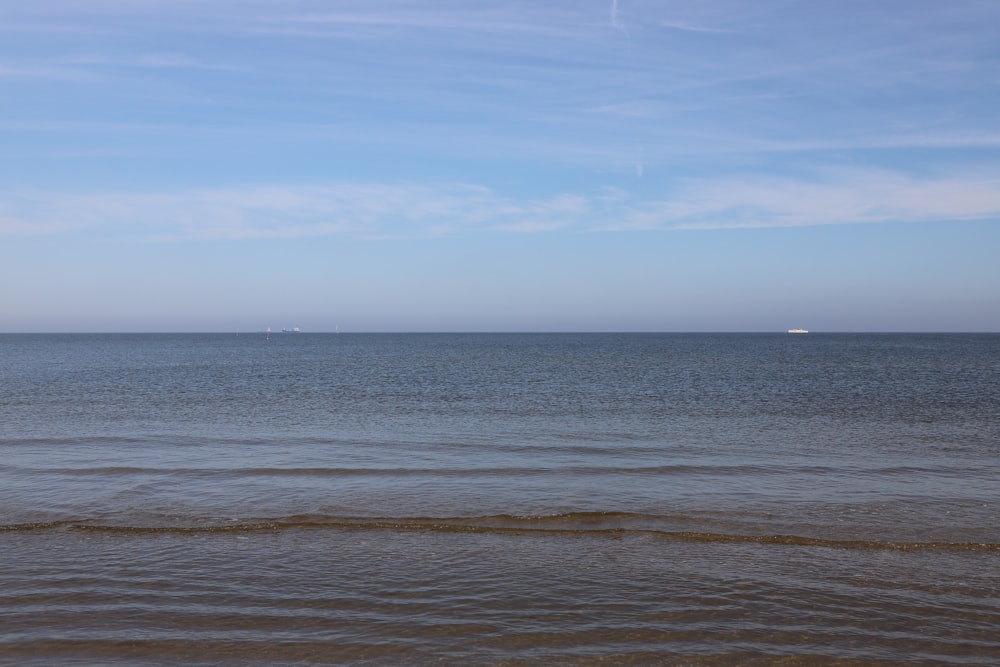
<point>500,499</point>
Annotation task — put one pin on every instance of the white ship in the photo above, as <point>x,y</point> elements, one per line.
<point>798,331</point>
<point>292,330</point>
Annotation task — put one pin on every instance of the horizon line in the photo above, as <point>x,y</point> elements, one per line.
<point>278,333</point>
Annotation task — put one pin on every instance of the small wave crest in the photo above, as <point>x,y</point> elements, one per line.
<point>618,524</point>
<point>500,471</point>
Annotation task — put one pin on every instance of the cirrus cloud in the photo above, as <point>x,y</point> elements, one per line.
<point>379,211</point>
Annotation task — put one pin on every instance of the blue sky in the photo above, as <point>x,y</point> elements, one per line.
<point>575,165</point>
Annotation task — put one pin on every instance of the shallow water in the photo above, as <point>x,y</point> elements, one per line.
<point>500,499</point>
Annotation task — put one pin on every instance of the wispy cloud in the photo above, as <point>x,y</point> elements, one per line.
<point>689,27</point>
<point>45,72</point>
<point>267,212</point>
<point>95,68</point>
<point>836,198</point>
<point>379,211</point>
<point>400,18</point>
<point>397,88</point>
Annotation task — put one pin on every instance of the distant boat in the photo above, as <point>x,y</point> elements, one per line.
<point>798,331</point>
<point>292,330</point>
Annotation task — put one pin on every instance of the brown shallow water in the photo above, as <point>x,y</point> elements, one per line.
<point>388,595</point>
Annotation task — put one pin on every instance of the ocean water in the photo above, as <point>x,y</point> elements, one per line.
<point>507,499</point>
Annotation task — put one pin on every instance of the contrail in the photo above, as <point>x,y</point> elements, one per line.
<point>615,19</point>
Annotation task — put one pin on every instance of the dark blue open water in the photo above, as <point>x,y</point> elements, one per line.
<point>500,499</point>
